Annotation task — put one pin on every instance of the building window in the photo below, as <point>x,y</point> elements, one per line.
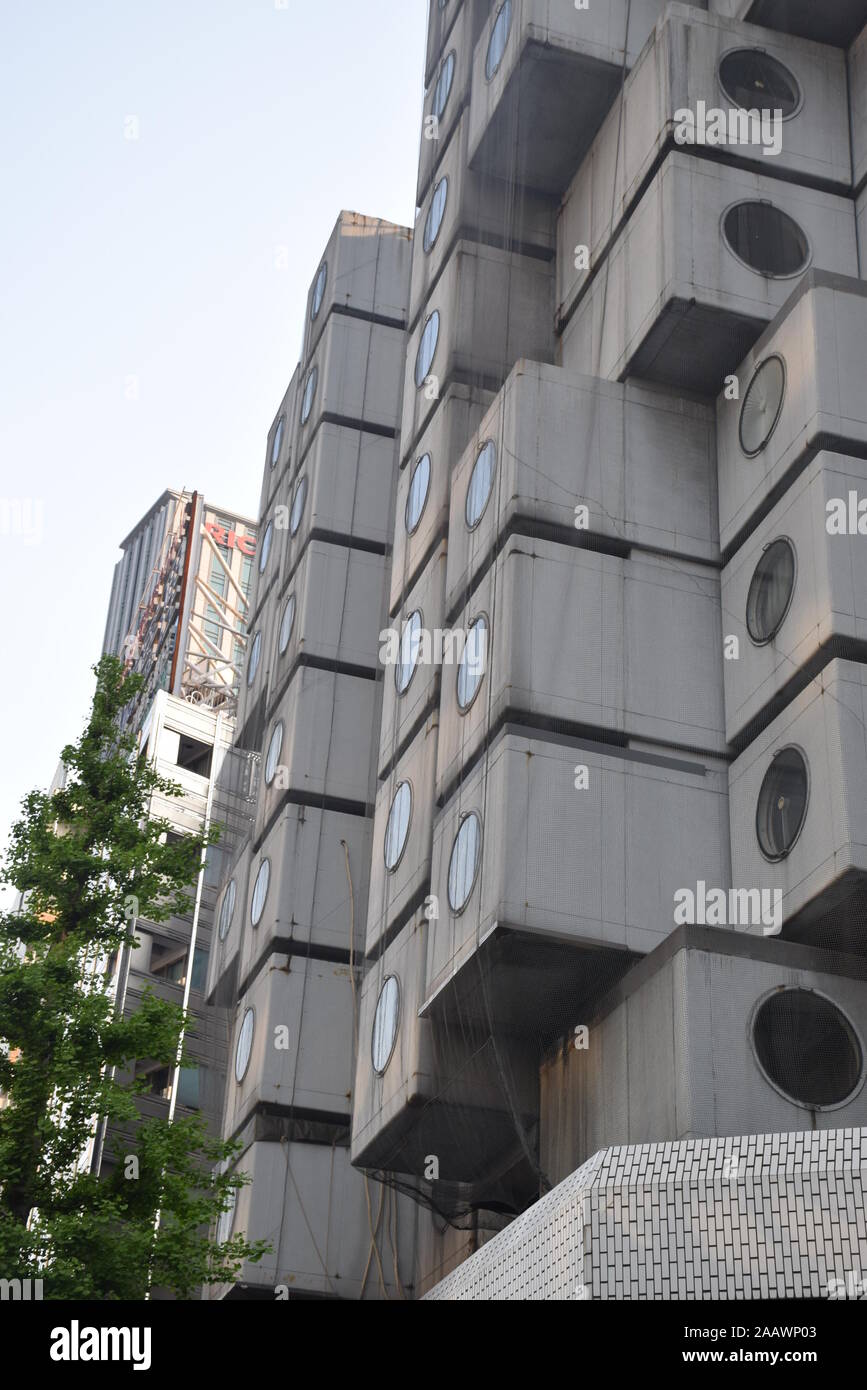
<point>397,827</point>
<point>499,39</point>
<point>245,1046</point>
<point>442,90</point>
<point>266,546</point>
<point>309,393</point>
<point>418,491</point>
<point>471,670</point>
<point>435,214</point>
<point>807,1048</point>
<point>194,756</point>
<point>410,641</point>
<point>762,405</point>
<point>385,1024</point>
<point>782,804</point>
<point>464,863</point>
<point>277,441</point>
<point>274,749</point>
<point>298,500</point>
<point>771,590</point>
<point>188,1087</point>
<point>766,239</point>
<point>227,1218</point>
<point>287,622</point>
<point>755,81</point>
<point>260,892</point>
<point>481,482</point>
<point>319,291</point>
<point>253,658</point>
<point>227,909</point>
<point>427,348</point>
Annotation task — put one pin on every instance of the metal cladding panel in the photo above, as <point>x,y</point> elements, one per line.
<point>485,209</point>
<point>599,865</point>
<point>687,314</point>
<point>459,413</point>
<point>822,876</point>
<point>280,464</point>
<point>311,899</point>
<point>494,306</point>
<point>436,134</point>
<point>391,892</point>
<point>338,595</point>
<point>642,463</point>
<point>401,713</point>
<point>565,65</point>
<point>358,370</point>
<point>828,603</point>
<point>584,639</point>
<point>822,341</point>
<point>311,1206</point>
<point>679,69</point>
<point>367,267</point>
<point>301,1052</point>
<point>224,951</point>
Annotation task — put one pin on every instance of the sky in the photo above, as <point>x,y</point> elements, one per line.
<point>171,172</point>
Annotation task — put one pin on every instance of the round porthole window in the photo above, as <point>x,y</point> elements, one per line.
<point>277,441</point>
<point>245,1046</point>
<point>443,88</point>
<point>253,658</point>
<point>227,1218</point>
<point>309,393</point>
<point>418,491</point>
<point>464,863</point>
<point>265,551</point>
<point>298,500</point>
<point>762,405</point>
<point>807,1048</point>
<point>755,81</point>
<point>427,348</point>
<point>498,40</point>
<point>287,622</point>
<point>318,290</point>
<point>410,642</point>
<point>274,748</point>
<point>227,909</point>
<point>397,826</point>
<point>766,239</point>
<point>782,805</point>
<point>385,1024</point>
<point>471,670</point>
<point>260,892</point>
<point>481,482</point>
<point>771,589</point>
<point>435,214</point>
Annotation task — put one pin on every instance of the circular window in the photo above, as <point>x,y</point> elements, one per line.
<point>427,347</point>
<point>763,404</point>
<point>766,239</point>
<point>807,1048</point>
<point>260,892</point>
<point>298,500</point>
<point>499,39</point>
<point>755,81</point>
<point>397,827</point>
<point>771,589</point>
<point>287,622</point>
<point>410,641</point>
<point>245,1046</point>
<point>418,491</point>
<point>782,805</point>
<point>464,862</point>
<point>443,88</point>
<point>277,441</point>
<point>253,658</point>
<point>481,481</point>
<point>472,665</point>
<point>274,749</point>
<point>319,290</point>
<point>227,909</point>
<point>265,552</point>
<point>385,1022</point>
<point>435,214</point>
<point>227,1218</point>
<point>309,393</point>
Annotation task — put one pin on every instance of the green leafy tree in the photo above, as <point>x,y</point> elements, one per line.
<point>89,860</point>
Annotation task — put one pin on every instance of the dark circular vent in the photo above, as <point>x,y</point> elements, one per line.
<point>771,590</point>
<point>755,81</point>
<point>766,239</point>
<point>807,1047</point>
<point>782,806</point>
<point>762,405</point>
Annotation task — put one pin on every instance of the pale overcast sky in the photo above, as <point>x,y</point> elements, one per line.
<point>158,259</point>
